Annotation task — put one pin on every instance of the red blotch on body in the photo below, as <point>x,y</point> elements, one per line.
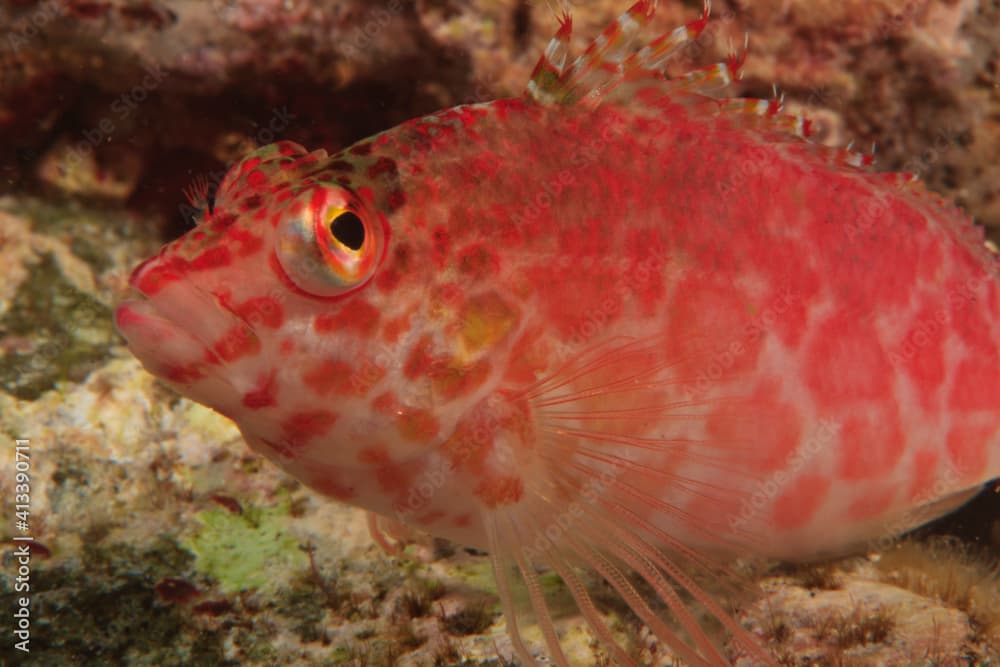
<point>247,242</point>
<point>358,315</point>
<point>478,261</point>
<point>220,221</point>
<point>977,384</point>
<point>301,427</point>
<point>499,490</point>
<point>799,501</point>
<point>414,424</point>
<point>256,179</point>
<point>712,325</point>
<point>469,444</point>
<point>385,403</point>
<point>383,167</point>
<point>870,444</point>
<point>391,477</point>
<point>871,504</point>
<point>387,280</point>
<point>264,395</point>
<point>395,199</point>
<point>441,246</point>
<point>765,431</point>
<point>420,361</point>
<point>795,285</point>
<point>181,373</point>
<point>213,258</point>
<point>361,149</point>
<point>250,203</point>
<point>263,310</point>
<point>444,298</point>
<point>328,482</point>
<point>845,363</point>
<point>249,164</point>
<point>967,450</point>
<point>330,377</point>
<point>450,381</point>
<point>395,328</point>
<point>236,343</point>
<point>417,425</point>
<point>156,273</point>
<point>920,352</point>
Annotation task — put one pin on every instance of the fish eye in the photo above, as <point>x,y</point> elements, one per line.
<point>328,246</point>
<point>348,230</point>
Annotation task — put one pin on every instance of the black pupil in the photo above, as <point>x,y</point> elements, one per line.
<point>349,230</point>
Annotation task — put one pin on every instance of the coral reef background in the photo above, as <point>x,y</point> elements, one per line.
<point>160,539</point>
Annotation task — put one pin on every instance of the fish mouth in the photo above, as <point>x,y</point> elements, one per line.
<point>165,348</point>
<point>173,330</point>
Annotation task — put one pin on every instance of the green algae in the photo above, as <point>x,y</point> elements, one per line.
<point>242,551</point>
<point>477,574</point>
<point>69,333</point>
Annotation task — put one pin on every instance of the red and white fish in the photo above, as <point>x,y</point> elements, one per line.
<point>614,323</point>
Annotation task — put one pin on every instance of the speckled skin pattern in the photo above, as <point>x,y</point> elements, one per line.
<point>674,321</point>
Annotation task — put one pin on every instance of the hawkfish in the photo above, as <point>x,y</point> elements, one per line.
<point>620,330</point>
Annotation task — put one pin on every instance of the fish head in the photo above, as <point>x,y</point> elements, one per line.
<point>296,309</point>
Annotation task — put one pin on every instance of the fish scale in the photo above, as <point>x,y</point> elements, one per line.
<point>614,323</point>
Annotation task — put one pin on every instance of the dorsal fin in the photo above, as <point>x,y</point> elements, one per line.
<point>612,70</point>
<point>609,59</point>
<point>200,193</point>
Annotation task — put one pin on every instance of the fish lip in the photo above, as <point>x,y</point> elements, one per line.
<point>129,313</point>
<point>138,302</point>
<point>133,278</point>
<point>201,316</point>
<point>141,312</point>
